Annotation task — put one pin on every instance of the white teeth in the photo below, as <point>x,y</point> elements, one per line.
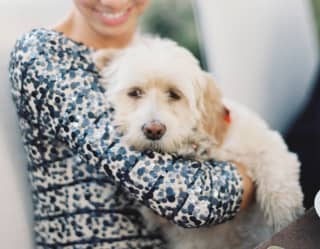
<point>114,15</point>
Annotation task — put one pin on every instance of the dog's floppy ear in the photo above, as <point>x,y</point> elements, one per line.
<point>104,56</point>
<point>214,116</point>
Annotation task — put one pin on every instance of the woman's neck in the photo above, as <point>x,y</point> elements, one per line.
<point>75,28</point>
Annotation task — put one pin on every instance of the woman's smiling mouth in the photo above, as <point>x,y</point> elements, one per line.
<point>114,18</point>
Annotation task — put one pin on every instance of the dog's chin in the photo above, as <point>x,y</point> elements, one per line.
<point>152,145</point>
<point>148,144</point>
<point>141,143</point>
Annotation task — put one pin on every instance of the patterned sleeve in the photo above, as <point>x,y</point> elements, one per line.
<point>57,88</point>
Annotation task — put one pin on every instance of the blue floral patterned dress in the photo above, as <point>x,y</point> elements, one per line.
<point>86,185</point>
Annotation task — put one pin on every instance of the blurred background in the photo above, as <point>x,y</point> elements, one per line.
<point>261,53</point>
<point>316,12</point>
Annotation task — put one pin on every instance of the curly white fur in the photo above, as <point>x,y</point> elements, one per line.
<point>196,126</point>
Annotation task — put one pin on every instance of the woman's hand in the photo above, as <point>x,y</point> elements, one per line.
<point>248,186</point>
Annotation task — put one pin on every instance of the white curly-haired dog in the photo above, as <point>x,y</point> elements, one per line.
<point>163,100</point>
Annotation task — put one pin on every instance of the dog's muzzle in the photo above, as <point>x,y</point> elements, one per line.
<point>154,130</point>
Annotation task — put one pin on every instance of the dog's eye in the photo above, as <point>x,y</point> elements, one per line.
<point>135,92</point>
<point>174,95</point>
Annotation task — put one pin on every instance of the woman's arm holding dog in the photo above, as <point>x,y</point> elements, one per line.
<point>248,186</point>
<point>67,101</point>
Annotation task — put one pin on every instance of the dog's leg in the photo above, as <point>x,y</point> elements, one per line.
<point>278,189</point>
<point>273,168</point>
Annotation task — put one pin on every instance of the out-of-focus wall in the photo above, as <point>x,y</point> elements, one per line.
<point>17,16</point>
<point>262,53</point>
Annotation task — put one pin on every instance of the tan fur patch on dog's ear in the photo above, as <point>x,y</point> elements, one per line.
<point>213,111</point>
<point>103,57</point>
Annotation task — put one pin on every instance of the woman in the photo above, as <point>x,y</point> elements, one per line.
<point>87,186</point>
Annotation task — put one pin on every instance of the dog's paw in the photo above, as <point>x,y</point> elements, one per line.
<point>187,151</point>
<point>205,148</point>
<point>280,212</point>
<point>280,220</point>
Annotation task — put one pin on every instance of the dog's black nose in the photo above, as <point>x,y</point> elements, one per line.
<point>154,130</point>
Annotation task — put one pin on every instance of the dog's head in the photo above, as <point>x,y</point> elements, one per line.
<point>161,95</point>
